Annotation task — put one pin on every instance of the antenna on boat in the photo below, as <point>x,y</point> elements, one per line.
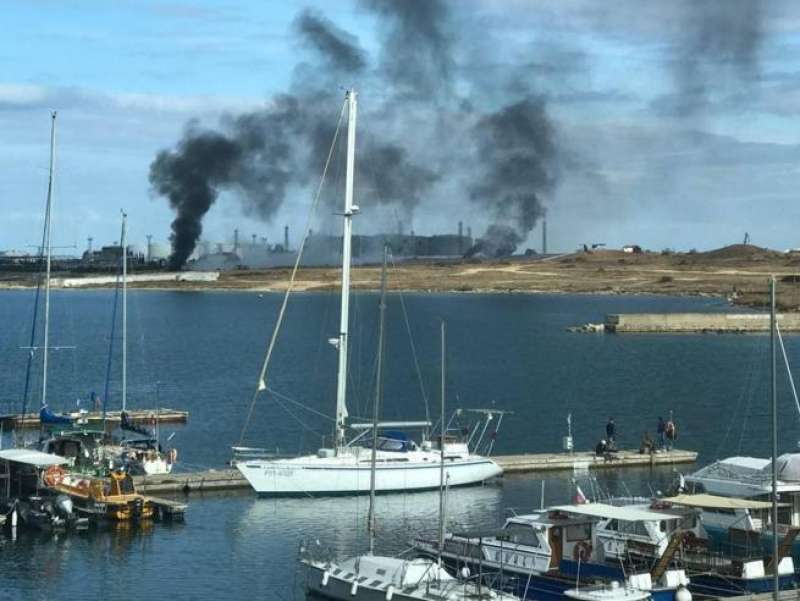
<point>123,244</point>
<point>349,210</point>
<point>773,394</point>
<point>377,408</point>
<point>49,248</point>
<point>441,445</point>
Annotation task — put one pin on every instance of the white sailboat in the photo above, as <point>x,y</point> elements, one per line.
<point>345,469</point>
<point>371,577</point>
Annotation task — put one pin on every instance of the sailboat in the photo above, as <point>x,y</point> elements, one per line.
<point>401,465</point>
<point>370,576</point>
<point>93,450</point>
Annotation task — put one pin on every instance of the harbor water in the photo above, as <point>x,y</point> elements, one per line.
<point>201,351</point>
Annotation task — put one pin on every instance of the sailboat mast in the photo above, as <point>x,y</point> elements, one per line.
<point>349,211</point>
<point>441,448</point>
<point>124,245</point>
<point>773,394</point>
<point>49,250</point>
<point>377,408</point>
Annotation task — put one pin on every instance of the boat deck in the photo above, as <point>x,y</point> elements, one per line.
<point>231,479</point>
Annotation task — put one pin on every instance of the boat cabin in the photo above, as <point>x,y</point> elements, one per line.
<point>21,470</point>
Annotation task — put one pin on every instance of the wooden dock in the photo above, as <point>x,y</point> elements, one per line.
<point>787,595</point>
<point>231,479</point>
<point>139,416</point>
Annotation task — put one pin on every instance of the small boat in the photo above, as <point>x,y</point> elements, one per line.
<point>25,497</point>
<point>402,465</point>
<point>546,554</point>
<point>113,497</point>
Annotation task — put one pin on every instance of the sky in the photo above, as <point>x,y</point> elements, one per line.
<point>665,124</point>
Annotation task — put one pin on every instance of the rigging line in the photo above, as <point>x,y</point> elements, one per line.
<point>413,346</point>
<point>788,370</point>
<point>740,399</point>
<point>299,404</point>
<point>297,419</point>
<point>262,375</point>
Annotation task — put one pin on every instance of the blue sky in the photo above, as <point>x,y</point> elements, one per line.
<point>127,76</point>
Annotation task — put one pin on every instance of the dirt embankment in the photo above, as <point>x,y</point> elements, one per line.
<point>739,272</point>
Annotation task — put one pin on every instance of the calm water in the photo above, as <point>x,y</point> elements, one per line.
<point>202,351</point>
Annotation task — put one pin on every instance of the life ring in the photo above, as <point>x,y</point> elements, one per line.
<point>582,551</point>
<point>54,475</point>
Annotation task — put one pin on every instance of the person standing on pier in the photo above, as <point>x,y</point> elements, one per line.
<point>611,431</point>
<point>671,433</point>
<point>661,429</point>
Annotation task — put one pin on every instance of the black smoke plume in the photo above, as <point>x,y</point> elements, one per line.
<point>337,46</point>
<point>498,241</point>
<point>517,151</point>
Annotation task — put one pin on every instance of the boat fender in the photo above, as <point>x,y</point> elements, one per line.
<point>582,551</point>
<point>465,573</point>
<point>683,594</point>
<point>354,588</point>
<point>389,592</point>
<point>173,455</point>
<point>325,576</point>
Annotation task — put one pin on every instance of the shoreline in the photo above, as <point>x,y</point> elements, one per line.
<point>737,274</point>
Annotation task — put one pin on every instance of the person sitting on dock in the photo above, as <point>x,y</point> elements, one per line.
<point>611,428</point>
<point>647,445</point>
<point>600,449</point>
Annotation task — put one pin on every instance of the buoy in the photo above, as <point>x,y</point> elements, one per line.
<point>465,573</point>
<point>325,576</point>
<point>683,594</point>
<point>354,588</point>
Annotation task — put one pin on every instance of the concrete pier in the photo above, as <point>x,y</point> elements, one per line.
<point>139,416</point>
<point>231,479</point>
<point>699,322</point>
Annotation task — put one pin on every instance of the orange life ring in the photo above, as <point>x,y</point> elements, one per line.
<point>54,475</point>
<point>582,551</point>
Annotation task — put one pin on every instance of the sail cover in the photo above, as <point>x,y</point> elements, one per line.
<point>47,417</point>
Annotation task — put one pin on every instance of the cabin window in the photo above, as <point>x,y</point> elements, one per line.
<point>634,528</point>
<point>612,525</point>
<point>522,534</point>
<point>126,486</point>
<point>577,532</point>
<point>380,572</point>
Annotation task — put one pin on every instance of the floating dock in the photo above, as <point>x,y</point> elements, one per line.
<point>787,595</point>
<point>140,416</point>
<point>698,322</point>
<point>231,479</point>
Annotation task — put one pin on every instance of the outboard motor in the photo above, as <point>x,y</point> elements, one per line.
<point>63,506</point>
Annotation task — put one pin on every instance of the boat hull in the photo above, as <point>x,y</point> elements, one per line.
<point>298,478</point>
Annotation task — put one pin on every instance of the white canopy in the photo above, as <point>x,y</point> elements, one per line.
<point>625,513</point>
<point>717,502</point>
<point>31,457</point>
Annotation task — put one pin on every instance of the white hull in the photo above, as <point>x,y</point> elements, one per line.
<point>350,474</point>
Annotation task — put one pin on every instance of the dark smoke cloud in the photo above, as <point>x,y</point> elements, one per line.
<point>416,55</point>
<point>717,51</point>
<point>516,147</point>
<point>188,176</point>
<point>338,47</point>
<point>498,241</point>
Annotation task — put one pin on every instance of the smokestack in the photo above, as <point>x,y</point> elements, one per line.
<point>235,240</point>
<point>286,238</point>
<point>544,236</point>
<point>90,239</point>
<point>149,247</point>
<point>460,238</point>
<point>469,233</point>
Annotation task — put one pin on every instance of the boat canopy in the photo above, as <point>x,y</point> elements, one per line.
<point>384,425</point>
<point>626,514</point>
<point>31,457</point>
<point>716,502</point>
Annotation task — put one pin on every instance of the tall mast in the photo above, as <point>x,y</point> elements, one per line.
<point>441,447</point>
<point>49,249</point>
<point>377,408</point>
<point>349,211</point>
<point>123,244</point>
<point>773,394</point>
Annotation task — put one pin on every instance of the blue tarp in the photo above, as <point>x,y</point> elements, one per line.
<point>46,416</point>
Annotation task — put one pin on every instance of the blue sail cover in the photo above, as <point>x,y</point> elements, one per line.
<point>47,417</point>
